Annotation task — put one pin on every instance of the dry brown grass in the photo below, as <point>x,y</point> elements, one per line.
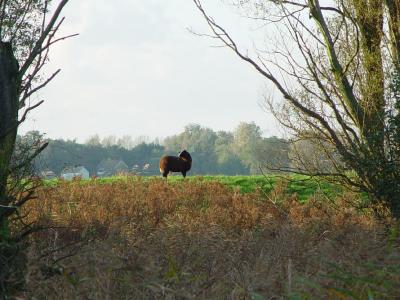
<point>140,239</point>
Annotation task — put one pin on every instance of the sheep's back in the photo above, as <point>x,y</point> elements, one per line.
<point>170,163</point>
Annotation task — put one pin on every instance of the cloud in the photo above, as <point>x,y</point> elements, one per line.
<point>136,70</point>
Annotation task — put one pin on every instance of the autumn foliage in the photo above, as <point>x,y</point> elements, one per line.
<point>154,239</point>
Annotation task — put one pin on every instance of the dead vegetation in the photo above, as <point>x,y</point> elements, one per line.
<point>138,239</point>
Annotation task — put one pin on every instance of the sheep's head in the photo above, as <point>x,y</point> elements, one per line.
<point>185,155</point>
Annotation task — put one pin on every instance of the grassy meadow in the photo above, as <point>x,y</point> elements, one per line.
<point>304,187</point>
<point>208,238</point>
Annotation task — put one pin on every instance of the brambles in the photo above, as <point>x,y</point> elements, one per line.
<point>146,239</point>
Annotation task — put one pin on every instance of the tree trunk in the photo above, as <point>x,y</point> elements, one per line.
<point>9,104</point>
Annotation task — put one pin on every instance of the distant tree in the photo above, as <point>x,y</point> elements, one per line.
<point>126,142</point>
<point>142,139</point>
<point>200,142</point>
<point>213,153</point>
<point>227,160</point>
<point>60,153</point>
<point>311,155</point>
<point>173,143</point>
<point>246,139</point>
<point>273,154</point>
<point>223,146</point>
<point>109,141</point>
<point>193,138</point>
<point>93,140</point>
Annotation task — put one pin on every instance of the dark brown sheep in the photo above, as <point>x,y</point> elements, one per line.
<point>181,163</point>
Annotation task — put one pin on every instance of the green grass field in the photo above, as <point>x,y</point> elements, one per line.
<point>303,186</point>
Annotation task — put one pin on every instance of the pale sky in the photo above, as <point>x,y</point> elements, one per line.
<point>136,70</point>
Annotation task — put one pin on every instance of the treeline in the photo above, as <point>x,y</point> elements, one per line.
<point>241,151</point>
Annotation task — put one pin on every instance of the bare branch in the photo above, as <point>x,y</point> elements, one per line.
<point>39,43</point>
<point>29,93</point>
<point>28,110</point>
<point>228,41</point>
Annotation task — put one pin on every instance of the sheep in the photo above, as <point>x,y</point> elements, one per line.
<point>181,163</point>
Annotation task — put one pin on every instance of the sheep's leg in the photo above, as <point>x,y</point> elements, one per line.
<point>184,174</point>
<point>165,174</point>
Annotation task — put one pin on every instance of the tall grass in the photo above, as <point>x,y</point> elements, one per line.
<point>199,239</point>
<point>303,186</point>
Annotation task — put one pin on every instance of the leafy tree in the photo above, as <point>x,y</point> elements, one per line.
<point>213,152</point>
<point>199,141</point>
<point>61,153</point>
<point>333,65</point>
<point>223,146</point>
<point>227,160</point>
<point>246,139</point>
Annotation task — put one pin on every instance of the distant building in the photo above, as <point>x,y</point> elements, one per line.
<point>110,167</point>
<point>101,172</point>
<point>70,173</point>
<point>136,169</point>
<point>48,174</point>
<point>121,167</point>
<point>145,169</point>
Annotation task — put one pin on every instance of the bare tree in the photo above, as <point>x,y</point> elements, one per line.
<point>337,69</point>
<point>93,140</point>
<point>27,31</point>
<point>109,141</point>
